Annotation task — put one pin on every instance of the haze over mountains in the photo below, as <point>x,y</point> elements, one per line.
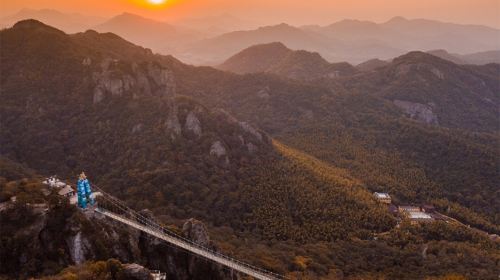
<point>70,23</point>
<point>356,41</point>
<point>277,149</point>
<point>161,37</point>
<point>211,40</point>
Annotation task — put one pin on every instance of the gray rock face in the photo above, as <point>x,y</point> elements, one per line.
<point>114,86</point>
<point>437,73</point>
<point>264,93</point>
<point>146,80</point>
<point>421,112</point>
<point>83,231</point>
<point>143,85</point>
<point>251,148</point>
<point>87,61</point>
<point>172,123</point>
<point>250,129</point>
<point>134,271</point>
<point>78,246</point>
<point>137,128</point>
<point>196,231</point>
<point>193,124</point>
<point>217,149</point>
<point>333,74</point>
<point>402,70</point>
<point>98,95</point>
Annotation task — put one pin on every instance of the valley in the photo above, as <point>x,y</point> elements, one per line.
<point>273,155</point>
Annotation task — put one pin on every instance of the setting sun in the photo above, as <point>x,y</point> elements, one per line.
<point>157,2</point>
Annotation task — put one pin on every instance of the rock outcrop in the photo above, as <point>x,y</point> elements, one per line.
<point>118,78</point>
<point>420,112</point>
<point>250,129</point>
<point>193,124</point>
<point>68,236</point>
<point>197,232</point>
<point>136,272</point>
<point>217,149</point>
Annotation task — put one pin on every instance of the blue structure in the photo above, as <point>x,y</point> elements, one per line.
<point>84,192</point>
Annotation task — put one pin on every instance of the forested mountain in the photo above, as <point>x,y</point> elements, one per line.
<point>70,23</point>
<point>134,121</point>
<point>277,59</point>
<point>160,36</point>
<point>215,50</point>
<point>405,35</point>
<point>371,64</point>
<point>364,124</point>
<point>479,58</point>
<point>436,91</point>
<point>353,41</point>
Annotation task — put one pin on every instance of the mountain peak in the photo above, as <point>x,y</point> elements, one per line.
<point>417,56</point>
<point>397,19</point>
<point>34,24</point>
<point>127,16</point>
<point>272,45</point>
<point>256,58</point>
<point>281,26</point>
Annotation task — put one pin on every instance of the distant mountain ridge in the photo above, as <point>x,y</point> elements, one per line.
<point>186,141</point>
<point>205,41</point>
<point>215,50</point>
<point>70,23</point>
<point>371,64</point>
<point>353,41</point>
<point>479,58</point>
<point>216,25</point>
<point>276,58</point>
<point>153,34</point>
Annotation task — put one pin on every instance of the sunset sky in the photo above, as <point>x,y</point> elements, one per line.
<point>296,12</point>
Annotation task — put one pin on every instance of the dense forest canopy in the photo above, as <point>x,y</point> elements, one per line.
<point>282,170</point>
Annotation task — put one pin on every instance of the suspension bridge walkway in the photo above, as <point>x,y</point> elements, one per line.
<point>117,210</point>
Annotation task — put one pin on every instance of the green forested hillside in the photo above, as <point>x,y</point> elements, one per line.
<point>197,142</point>
<point>369,136</point>
<point>276,58</point>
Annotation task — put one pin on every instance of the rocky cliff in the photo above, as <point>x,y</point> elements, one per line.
<point>48,239</point>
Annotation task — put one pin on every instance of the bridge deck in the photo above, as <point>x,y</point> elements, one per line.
<point>233,264</point>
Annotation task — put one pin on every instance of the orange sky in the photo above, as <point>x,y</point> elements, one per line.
<point>297,12</point>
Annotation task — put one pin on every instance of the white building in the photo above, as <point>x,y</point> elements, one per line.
<point>54,182</point>
<point>383,197</point>
<point>66,191</point>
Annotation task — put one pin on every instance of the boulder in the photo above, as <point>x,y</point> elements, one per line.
<point>217,149</point>
<point>196,231</point>
<point>134,271</point>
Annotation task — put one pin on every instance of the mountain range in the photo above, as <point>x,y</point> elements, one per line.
<point>355,41</point>
<point>209,41</point>
<point>280,165</point>
<point>216,25</point>
<point>472,58</point>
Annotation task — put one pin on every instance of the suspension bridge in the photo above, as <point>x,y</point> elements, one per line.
<point>117,210</point>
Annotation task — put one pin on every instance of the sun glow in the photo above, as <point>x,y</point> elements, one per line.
<point>157,2</point>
